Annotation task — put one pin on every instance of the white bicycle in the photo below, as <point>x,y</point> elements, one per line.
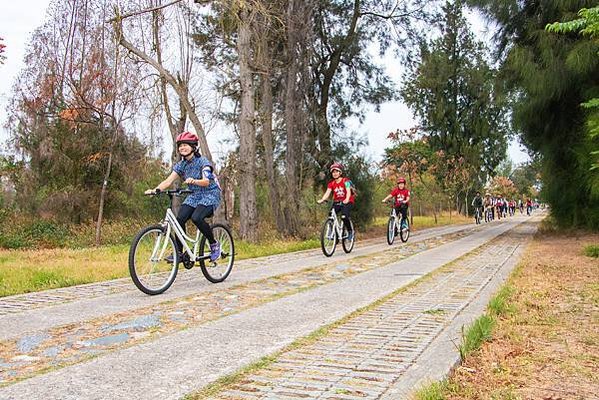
<point>333,230</point>
<point>394,227</point>
<point>150,266</point>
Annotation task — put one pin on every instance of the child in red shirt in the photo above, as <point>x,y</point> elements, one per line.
<point>402,200</point>
<point>343,197</point>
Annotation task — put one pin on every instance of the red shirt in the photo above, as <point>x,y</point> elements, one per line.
<point>401,195</point>
<point>340,190</point>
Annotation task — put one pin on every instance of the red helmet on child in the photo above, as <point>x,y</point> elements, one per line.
<point>336,166</point>
<point>401,180</point>
<point>188,138</point>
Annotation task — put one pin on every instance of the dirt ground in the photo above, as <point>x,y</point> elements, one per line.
<point>547,347</point>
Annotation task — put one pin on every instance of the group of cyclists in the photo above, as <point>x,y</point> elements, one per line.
<point>496,206</point>
<point>198,173</point>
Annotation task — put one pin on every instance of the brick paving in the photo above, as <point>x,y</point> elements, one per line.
<point>364,357</point>
<point>74,343</point>
<point>179,361</point>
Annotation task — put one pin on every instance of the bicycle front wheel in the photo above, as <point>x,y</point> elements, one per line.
<point>348,243</point>
<point>218,270</point>
<point>328,238</point>
<point>150,271</point>
<point>391,231</point>
<point>404,231</point>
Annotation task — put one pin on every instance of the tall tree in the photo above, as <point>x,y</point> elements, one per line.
<point>452,90</point>
<point>247,128</point>
<point>74,93</point>
<point>175,81</point>
<point>345,77</point>
<point>551,75</point>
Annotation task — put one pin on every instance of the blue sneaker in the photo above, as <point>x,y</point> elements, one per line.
<point>214,251</point>
<point>350,236</point>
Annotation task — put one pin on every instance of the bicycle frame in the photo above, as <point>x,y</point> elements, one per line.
<point>398,218</point>
<point>172,225</point>
<point>337,224</point>
<point>393,215</point>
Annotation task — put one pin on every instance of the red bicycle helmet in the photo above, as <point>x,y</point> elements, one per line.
<point>187,137</point>
<point>336,166</point>
<point>401,180</point>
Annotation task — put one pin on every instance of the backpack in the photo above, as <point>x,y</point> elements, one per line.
<point>352,187</point>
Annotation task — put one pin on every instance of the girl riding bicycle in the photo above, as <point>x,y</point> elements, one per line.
<point>402,200</point>
<point>343,196</point>
<point>197,172</point>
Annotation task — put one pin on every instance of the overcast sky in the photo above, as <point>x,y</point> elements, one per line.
<point>18,19</point>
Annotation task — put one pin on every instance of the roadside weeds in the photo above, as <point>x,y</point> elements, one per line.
<point>545,343</point>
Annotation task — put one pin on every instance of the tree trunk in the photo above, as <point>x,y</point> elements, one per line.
<point>102,197</point>
<point>328,74</point>
<point>267,141</point>
<point>247,133</point>
<point>175,126</point>
<point>292,154</point>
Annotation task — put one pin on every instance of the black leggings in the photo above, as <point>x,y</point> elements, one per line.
<point>197,215</point>
<point>343,210</point>
<point>403,210</point>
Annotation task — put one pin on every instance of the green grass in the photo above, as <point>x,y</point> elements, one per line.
<point>476,334</point>
<point>432,391</point>
<point>499,304</point>
<point>592,250</point>
<point>435,311</point>
<point>25,271</point>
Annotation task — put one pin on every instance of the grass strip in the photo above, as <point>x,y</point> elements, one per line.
<point>474,336</point>
<point>592,250</point>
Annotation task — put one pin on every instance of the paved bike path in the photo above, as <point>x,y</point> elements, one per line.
<point>176,364</point>
<point>86,302</point>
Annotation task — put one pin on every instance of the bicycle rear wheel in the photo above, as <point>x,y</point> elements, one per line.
<point>391,231</point>
<point>347,244</point>
<point>328,238</point>
<point>218,270</point>
<point>149,269</point>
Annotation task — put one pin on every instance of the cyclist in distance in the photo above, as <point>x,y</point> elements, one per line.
<point>477,203</point>
<point>197,172</point>
<point>402,200</point>
<point>488,204</point>
<point>499,206</point>
<point>343,196</point>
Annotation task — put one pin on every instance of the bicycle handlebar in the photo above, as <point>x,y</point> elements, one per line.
<point>331,202</point>
<point>171,192</point>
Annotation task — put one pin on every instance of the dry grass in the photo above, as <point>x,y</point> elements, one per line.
<point>548,347</point>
